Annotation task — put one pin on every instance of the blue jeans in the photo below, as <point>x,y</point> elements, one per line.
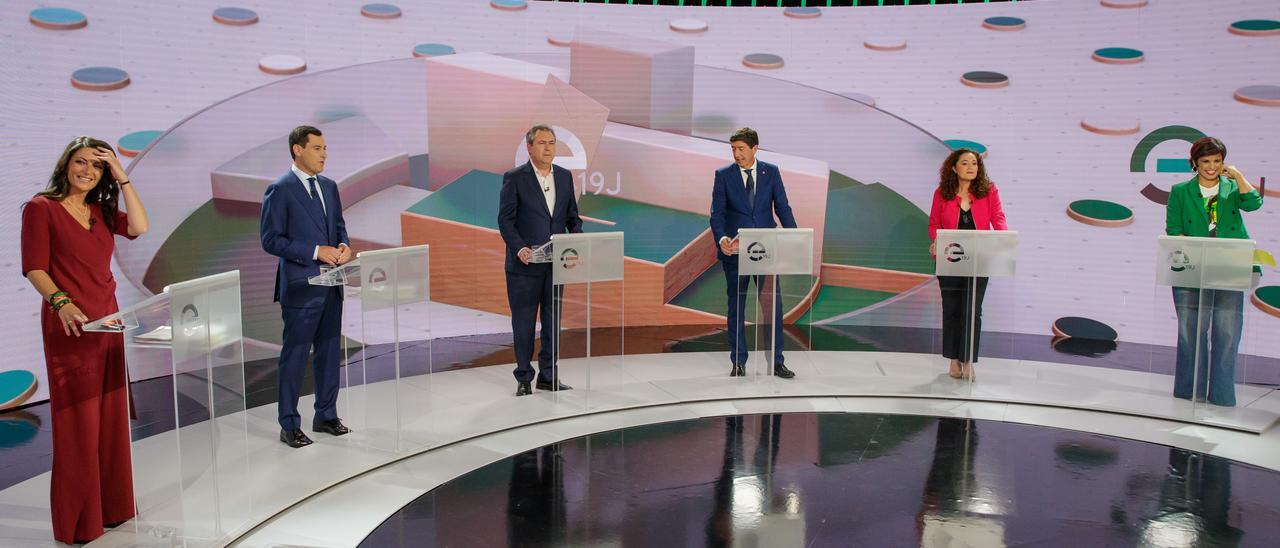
<point>1209,326</point>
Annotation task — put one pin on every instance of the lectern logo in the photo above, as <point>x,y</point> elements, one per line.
<point>569,259</point>
<point>377,279</point>
<point>1180,262</point>
<point>756,252</point>
<point>954,253</point>
<point>190,320</point>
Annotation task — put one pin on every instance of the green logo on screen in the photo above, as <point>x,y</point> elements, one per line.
<point>1180,165</point>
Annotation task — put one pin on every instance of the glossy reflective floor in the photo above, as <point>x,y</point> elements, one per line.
<point>846,479</point>
<point>26,445</point>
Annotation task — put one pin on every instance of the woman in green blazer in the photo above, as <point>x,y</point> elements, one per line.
<point>1209,205</point>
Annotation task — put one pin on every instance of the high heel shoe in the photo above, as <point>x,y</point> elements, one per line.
<point>956,371</point>
<point>968,373</point>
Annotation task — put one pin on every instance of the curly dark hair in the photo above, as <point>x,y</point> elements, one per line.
<point>106,194</point>
<point>949,182</point>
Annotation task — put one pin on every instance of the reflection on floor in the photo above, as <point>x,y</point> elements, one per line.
<point>844,479</point>
<point>26,456</point>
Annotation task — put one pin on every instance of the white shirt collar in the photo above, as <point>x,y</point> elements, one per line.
<point>751,168</point>
<point>302,175</point>
<point>538,174</point>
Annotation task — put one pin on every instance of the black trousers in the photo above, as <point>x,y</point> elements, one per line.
<point>959,338</point>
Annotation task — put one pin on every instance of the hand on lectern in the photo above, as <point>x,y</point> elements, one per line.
<point>729,246</point>
<point>933,248</point>
<point>329,255</point>
<point>345,254</point>
<point>525,254</point>
<point>68,315</point>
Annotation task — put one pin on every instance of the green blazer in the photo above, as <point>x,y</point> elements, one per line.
<point>1185,214</point>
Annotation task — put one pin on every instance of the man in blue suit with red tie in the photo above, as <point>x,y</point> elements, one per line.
<point>536,201</point>
<point>302,224</point>
<point>747,194</point>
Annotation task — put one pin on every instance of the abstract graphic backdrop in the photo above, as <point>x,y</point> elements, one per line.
<point>1084,113</point>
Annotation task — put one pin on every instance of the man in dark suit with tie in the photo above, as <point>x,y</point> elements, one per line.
<point>747,194</point>
<point>537,200</point>
<point>302,225</point>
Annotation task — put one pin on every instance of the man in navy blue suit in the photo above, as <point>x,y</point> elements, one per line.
<point>302,225</point>
<point>537,201</point>
<point>747,194</point>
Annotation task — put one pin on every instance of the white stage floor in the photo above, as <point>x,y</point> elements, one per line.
<point>413,435</point>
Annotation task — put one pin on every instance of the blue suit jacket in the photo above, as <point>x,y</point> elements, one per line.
<point>730,210</point>
<point>291,228</point>
<point>523,218</point>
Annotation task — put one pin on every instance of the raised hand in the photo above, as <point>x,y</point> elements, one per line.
<point>108,158</point>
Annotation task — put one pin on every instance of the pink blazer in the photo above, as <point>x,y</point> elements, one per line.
<point>988,214</point>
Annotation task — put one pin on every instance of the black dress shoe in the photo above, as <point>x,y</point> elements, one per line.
<point>738,371</point>
<point>333,427</point>
<point>523,389</point>
<point>552,387</point>
<point>782,372</point>
<point>294,438</point>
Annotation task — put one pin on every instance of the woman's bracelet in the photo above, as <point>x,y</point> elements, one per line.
<point>126,181</point>
<point>58,300</point>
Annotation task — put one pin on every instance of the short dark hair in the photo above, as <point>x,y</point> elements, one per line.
<point>1207,146</point>
<point>746,135</point>
<point>299,136</point>
<point>533,132</point>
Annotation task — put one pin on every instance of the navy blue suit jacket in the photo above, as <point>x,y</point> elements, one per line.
<point>730,210</point>
<point>291,228</point>
<point>523,218</point>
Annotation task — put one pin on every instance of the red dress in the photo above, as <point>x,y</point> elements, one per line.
<point>92,476</point>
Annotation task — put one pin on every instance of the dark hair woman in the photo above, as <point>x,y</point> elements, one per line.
<point>965,199</point>
<point>68,236</point>
<point>1209,205</point>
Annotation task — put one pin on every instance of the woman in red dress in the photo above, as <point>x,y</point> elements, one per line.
<point>68,235</point>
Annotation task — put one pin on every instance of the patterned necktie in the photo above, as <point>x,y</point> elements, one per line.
<point>751,189</point>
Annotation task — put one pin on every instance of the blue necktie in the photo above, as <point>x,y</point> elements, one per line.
<point>751,189</point>
<point>315,194</point>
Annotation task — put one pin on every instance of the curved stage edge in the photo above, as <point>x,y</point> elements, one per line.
<point>436,413</point>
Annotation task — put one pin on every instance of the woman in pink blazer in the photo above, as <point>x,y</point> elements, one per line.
<point>965,199</point>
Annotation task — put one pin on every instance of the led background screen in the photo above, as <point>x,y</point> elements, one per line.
<point>1085,113</point>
